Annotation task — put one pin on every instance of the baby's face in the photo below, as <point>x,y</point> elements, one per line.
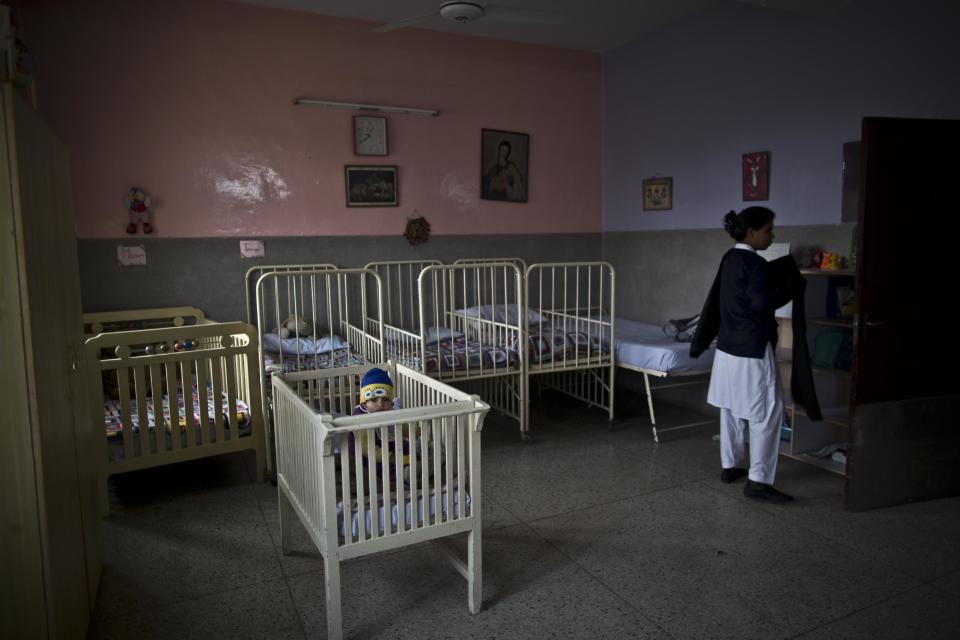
<point>378,403</point>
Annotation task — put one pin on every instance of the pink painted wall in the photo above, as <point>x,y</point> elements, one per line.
<point>194,101</point>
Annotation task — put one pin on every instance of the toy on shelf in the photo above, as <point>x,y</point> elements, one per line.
<point>138,204</point>
<point>828,261</point>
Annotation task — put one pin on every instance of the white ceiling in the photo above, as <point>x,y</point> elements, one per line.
<point>594,25</point>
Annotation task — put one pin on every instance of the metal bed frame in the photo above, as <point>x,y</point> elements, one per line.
<point>440,291</point>
<point>337,302</point>
<point>703,376</point>
<point>579,296</point>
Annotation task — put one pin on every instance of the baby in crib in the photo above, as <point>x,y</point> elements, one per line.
<point>376,394</point>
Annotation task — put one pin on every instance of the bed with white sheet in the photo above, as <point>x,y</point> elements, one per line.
<point>353,502</point>
<point>182,389</point>
<point>647,349</point>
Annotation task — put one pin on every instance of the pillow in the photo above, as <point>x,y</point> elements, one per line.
<point>505,313</point>
<point>439,334</point>
<point>324,344</point>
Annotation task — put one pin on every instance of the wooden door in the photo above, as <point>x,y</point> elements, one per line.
<point>49,305</point>
<point>904,440</point>
<point>23,611</point>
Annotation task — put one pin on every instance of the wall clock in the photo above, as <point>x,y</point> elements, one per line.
<point>369,136</point>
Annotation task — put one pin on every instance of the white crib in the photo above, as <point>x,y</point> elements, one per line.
<point>337,305</point>
<point>570,337</point>
<point>352,508</point>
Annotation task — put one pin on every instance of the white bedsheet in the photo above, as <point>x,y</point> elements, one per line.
<point>408,517</point>
<point>646,347</point>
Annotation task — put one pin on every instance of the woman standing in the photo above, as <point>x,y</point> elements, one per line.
<point>745,383</point>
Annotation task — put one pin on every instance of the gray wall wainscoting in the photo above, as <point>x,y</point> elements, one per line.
<point>209,273</point>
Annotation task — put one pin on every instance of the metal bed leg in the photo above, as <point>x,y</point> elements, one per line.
<point>653,419</point>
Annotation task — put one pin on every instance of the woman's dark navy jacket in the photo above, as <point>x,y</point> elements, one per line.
<point>747,322</point>
<point>752,289</point>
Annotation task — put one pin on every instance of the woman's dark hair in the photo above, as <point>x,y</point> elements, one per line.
<point>736,224</point>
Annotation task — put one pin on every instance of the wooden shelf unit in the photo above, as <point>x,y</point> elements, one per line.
<point>833,385</point>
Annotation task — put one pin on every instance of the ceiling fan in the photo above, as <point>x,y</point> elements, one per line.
<point>462,11</point>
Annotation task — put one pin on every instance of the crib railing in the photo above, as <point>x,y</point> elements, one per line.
<point>253,276</point>
<point>367,342</point>
<point>134,319</point>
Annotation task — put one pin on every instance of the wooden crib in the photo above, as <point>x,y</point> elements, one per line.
<point>352,505</point>
<point>204,375</point>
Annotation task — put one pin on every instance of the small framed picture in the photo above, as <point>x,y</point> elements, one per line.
<point>371,186</point>
<point>504,156</point>
<point>756,175</point>
<point>369,136</point>
<point>657,194</point>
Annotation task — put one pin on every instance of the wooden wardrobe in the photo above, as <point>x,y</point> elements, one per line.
<point>50,545</point>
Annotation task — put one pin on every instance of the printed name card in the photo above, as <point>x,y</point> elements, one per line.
<point>251,249</point>
<point>135,256</point>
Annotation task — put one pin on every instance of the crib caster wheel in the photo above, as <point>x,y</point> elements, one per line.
<point>526,438</point>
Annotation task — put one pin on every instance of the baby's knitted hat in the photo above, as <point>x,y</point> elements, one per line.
<point>375,383</point>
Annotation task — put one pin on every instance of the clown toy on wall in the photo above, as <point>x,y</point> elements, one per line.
<point>138,204</point>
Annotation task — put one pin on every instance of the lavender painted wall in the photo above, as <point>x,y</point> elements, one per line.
<point>689,100</point>
<point>193,99</point>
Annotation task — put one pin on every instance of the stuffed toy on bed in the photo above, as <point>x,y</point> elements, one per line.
<point>295,326</point>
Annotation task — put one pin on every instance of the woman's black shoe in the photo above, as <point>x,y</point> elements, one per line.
<point>762,491</point>
<point>732,474</point>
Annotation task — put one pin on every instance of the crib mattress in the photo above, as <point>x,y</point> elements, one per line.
<point>408,512</point>
<point>646,347</point>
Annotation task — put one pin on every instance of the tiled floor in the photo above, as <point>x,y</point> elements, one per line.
<point>588,533</point>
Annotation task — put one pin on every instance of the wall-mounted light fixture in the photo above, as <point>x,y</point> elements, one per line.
<point>310,102</point>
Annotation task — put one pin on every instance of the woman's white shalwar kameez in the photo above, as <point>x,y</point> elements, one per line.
<point>748,393</point>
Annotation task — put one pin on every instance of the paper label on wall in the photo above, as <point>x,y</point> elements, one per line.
<point>251,249</point>
<point>135,256</point>
<point>774,251</point>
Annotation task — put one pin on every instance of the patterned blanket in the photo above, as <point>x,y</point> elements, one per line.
<point>544,344</point>
<point>114,423</point>
<point>273,363</point>
<point>457,354</point>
